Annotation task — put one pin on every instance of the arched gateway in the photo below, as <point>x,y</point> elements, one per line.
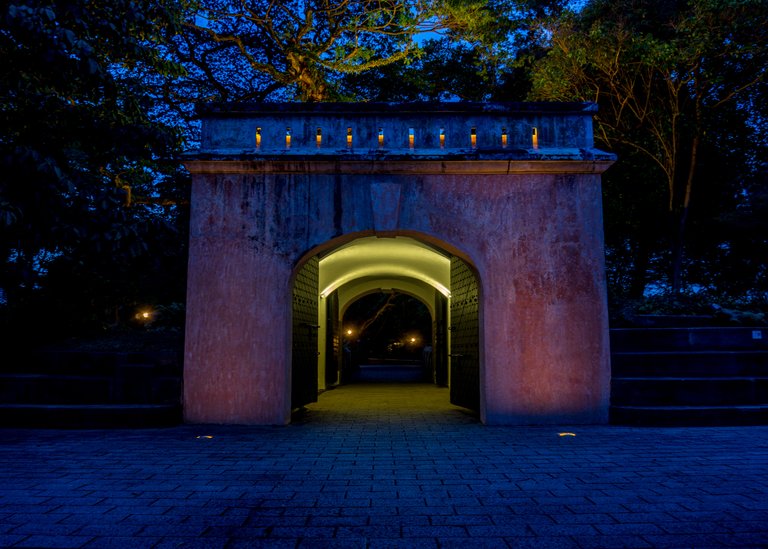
<point>490,214</point>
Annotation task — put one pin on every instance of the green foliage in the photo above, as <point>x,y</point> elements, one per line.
<point>694,308</point>
<point>482,51</point>
<point>77,138</point>
<point>676,82</point>
<point>95,97</point>
<point>295,49</point>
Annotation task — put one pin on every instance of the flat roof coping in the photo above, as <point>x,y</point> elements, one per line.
<point>379,108</point>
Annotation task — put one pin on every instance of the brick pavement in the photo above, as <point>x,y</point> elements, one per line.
<point>384,466</point>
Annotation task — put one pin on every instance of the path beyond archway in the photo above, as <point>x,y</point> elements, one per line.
<point>328,283</point>
<point>382,404</point>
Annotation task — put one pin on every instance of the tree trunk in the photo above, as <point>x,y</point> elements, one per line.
<point>311,85</point>
<point>639,269</point>
<point>678,247</point>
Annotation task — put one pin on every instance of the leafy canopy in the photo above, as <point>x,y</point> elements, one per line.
<point>77,134</point>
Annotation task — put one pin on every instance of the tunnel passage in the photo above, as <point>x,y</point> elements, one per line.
<point>325,288</point>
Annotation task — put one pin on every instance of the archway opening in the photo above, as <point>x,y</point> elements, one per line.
<point>420,307</point>
<point>387,337</point>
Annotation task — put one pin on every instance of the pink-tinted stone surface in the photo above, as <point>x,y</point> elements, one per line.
<point>526,215</point>
<point>535,240</point>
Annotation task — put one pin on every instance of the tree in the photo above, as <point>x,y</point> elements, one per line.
<point>660,72</point>
<point>482,52</point>
<point>320,50</point>
<point>78,138</point>
<point>292,49</point>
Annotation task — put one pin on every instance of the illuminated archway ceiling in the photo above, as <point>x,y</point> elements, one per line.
<point>386,258</point>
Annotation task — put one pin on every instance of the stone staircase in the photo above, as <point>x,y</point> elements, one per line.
<point>91,390</point>
<point>689,376</point>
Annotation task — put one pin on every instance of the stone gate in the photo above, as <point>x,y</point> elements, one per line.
<point>490,214</point>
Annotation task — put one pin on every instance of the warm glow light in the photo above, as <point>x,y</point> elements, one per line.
<point>503,137</point>
<point>287,138</point>
<point>410,137</point>
<point>442,138</point>
<point>349,137</point>
<point>204,436</point>
<point>144,316</point>
<point>403,272</point>
<point>413,340</point>
<point>381,137</point>
<point>258,138</point>
<point>397,258</point>
<point>473,137</point>
<point>349,332</point>
<point>566,434</point>
<point>319,137</point>
<point>535,138</point>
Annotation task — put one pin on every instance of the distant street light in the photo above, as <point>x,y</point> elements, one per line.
<point>146,316</point>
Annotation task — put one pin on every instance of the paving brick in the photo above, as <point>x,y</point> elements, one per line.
<point>175,530</point>
<point>263,544</point>
<point>564,529</point>
<point>629,528</point>
<point>119,542</point>
<point>191,543</point>
<point>60,542</point>
<point>433,531</point>
<point>348,543</point>
<point>401,469</point>
<point>109,530</point>
<point>743,539</point>
<point>7,540</point>
<point>461,520</point>
<point>550,542</point>
<point>499,531</point>
<point>583,518</point>
<point>613,542</point>
<point>468,543</point>
<point>302,532</point>
<point>685,540</point>
<point>411,543</point>
<point>58,529</point>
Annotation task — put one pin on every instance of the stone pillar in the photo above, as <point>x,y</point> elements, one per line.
<point>544,297</point>
<point>237,336</point>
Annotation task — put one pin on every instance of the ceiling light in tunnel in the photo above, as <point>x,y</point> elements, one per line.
<point>385,259</point>
<point>328,290</point>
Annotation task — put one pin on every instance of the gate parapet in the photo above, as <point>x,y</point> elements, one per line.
<point>524,131</point>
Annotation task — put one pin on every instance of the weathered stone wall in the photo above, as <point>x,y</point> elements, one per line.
<point>528,220</point>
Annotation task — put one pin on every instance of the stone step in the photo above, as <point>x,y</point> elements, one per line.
<point>689,415</point>
<point>137,387</point>
<point>678,391</point>
<point>670,339</point>
<point>90,363</point>
<point>689,363</point>
<point>89,416</point>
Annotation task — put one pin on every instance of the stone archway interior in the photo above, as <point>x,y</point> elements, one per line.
<point>369,264</point>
